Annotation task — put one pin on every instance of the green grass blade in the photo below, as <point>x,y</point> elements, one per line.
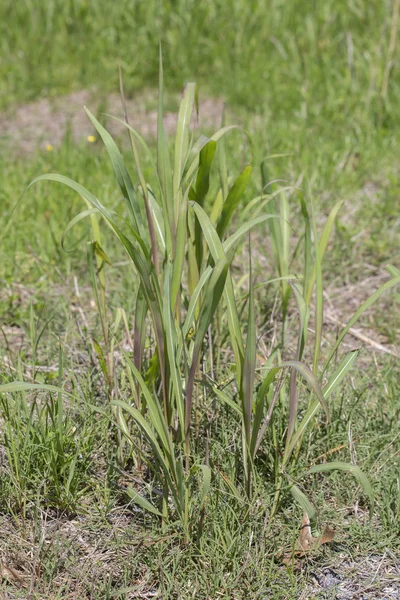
<point>144,267</point>
<point>121,172</point>
<point>213,241</point>
<point>182,143</point>
<point>179,257</point>
<point>304,315</point>
<point>164,167</point>
<point>199,194</point>
<point>82,215</point>
<point>212,297</point>
<point>205,485</point>
<point>207,154</point>
<point>159,223</point>
<point>171,348</point>
<point>249,367</point>
<point>257,430</point>
<point>142,502</point>
<point>311,379</point>
<point>369,302</point>
<point>161,454</point>
<point>139,328</point>
<point>217,252</point>
<point>225,399</point>
<point>190,316</point>
<point>319,300</point>
<point>323,243</point>
<point>232,200</point>
<point>21,386</point>
<point>393,271</point>
<point>232,241</point>
<point>155,413</point>
<point>353,470</point>
<point>307,250</point>
<point>257,204</point>
<point>193,157</point>
<point>303,500</point>
<point>222,167</point>
<point>343,368</point>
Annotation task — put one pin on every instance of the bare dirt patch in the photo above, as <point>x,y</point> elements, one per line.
<point>31,127</point>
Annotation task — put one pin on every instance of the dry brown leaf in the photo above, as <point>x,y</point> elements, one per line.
<point>306,542</point>
<point>11,575</point>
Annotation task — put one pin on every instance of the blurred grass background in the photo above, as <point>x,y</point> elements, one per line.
<point>317,80</point>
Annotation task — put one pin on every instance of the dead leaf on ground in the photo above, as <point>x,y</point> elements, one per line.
<point>11,575</point>
<point>306,542</point>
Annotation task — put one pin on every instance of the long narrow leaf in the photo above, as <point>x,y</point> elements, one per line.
<point>142,502</point>
<point>249,367</point>
<point>343,368</point>
<point>353,470</point>
<point>233,199</point>
<point>369,302</point>
<point>121,172</point>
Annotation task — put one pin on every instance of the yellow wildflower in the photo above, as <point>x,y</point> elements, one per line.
<point>49,148</point>
<point>91,138</point>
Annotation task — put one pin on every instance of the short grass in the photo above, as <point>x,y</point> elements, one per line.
<point>309,81</point>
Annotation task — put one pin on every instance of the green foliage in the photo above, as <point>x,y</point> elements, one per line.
<point>174,236</point>
<point>207,417</point>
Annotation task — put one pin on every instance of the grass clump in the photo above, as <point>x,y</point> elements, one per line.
<point>189,327</point>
